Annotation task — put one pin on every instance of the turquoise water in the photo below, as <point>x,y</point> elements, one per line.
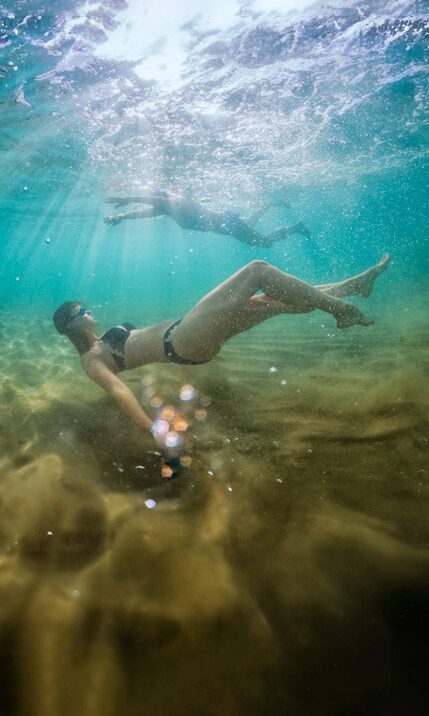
<point>322,107</point>
<point>285,570</point>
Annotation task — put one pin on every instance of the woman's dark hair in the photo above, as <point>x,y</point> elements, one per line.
<point>64,314</point>
<point>62,318</point>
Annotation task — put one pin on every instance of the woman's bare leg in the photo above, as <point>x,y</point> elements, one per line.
<point>244,231</point>
<point>217,316</point>
<point>256,215</point>
<point>277,285</point>
<point>261,307</point>
<point>360,285</point>
<point>285,233</point>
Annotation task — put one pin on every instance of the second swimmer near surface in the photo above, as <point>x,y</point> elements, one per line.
<point>191,215</point>
<point>231,308</point>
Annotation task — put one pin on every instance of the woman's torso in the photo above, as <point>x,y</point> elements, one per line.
<point>125,347</point>
<point>190,215</point>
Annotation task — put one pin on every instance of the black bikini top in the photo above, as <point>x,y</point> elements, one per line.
<point>116,338</point>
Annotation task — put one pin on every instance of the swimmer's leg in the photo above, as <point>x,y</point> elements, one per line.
<point>285,233</point>
<point>261,307</point>
<point>217,316</point>
<point>243,231</point>
<point>258,213</point>
<point>360,285</point>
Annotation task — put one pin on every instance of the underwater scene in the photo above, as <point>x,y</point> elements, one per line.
<point>213,496</point>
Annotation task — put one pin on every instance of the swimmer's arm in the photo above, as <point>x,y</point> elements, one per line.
<point>125,398</point>
<point>138,214</point>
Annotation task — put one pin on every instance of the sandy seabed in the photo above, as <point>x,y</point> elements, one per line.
<point>283,572</point>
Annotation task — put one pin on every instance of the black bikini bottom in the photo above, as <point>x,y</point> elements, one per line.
<point>171,354</point>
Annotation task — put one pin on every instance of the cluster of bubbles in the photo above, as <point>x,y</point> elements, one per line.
<point>171,423</point>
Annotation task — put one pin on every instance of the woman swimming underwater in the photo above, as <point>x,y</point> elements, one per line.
<point>191,215</point>
<point>229,309</point>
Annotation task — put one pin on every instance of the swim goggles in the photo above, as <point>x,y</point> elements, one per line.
<point>80,312</point>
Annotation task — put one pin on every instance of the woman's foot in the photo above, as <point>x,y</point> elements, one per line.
<point>351,316</point>
<point>365,281</point>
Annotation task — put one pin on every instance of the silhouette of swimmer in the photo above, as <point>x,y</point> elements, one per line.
<point>191,215</point>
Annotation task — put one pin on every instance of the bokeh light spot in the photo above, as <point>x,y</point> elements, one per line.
<point>179,423</point>
<point>168,412</point>
<point>171,439</point>
<point>160,427</point>
<point>187,392</point>
<point>166,471</point>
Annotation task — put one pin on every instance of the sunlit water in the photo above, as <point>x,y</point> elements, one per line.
<point>284,570</point>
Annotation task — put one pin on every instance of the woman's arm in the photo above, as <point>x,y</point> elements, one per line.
<point>138,214</point>
<point>125,398</point>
